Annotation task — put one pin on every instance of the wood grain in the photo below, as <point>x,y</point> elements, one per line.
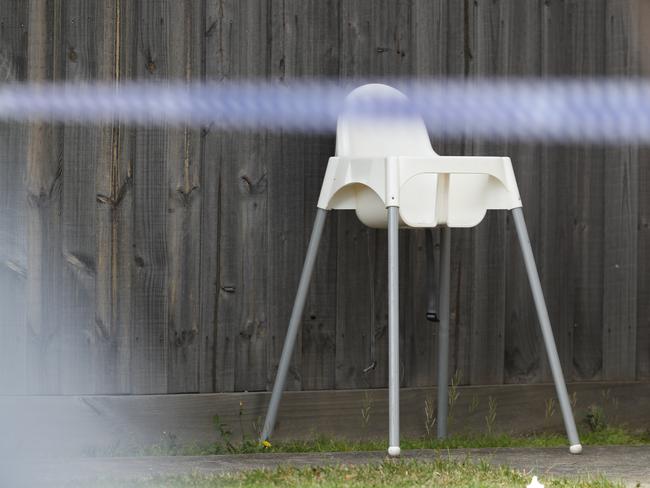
<point>44,194</point>
<point>149,287</point>
<point>156,260</point>
<point>82,46</point>
<point>184,159</point>
<point>13,224</point>
<point>621,214</point>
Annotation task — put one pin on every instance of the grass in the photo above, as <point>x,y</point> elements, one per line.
<point>169,446</point>
<point>440,473</point>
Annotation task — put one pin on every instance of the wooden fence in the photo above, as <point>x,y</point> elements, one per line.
<point>165,260</point>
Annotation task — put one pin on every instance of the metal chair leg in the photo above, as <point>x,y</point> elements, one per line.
<point>294,324</point>
<point>393,332</point>
<point>443,331</point>
<point>547,331</point>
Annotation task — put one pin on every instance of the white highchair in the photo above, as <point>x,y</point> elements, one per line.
<point>387,171</point>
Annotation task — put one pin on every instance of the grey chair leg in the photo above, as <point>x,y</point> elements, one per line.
<point>393,332</point>
<point>294,324</point>
<point>547,331</point>
<point>443,331</point>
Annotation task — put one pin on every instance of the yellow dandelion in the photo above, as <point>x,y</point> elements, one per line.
<point>266,444</point>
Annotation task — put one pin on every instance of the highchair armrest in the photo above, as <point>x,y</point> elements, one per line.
<point>343,173</point>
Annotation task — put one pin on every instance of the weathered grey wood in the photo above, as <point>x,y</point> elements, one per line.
<point>150,300</point>
<point>242,332</point>
<point>583,32</point>
<point>298,52</point>
<point>353,282</point>
<point>286,228</point>
<point>215,28</point>
<point>113,217</point>
<point>78,425</point>
<point>82,47</point>
<point>523,48</point>
<point>286,222</point>
<point>318,55</point>
<point>485,340</point>
<point>643,263</point>
<point>555,206</point>
<point>183,159</point>
<point>642,9</point>
<point>427,57</point>
<point>155,289</point>
<point>439,47</point>
<point>319,326</point>
<point>13,257</point>
<point>374,41</point>
<point>44,184</point>
<point>621,213</point>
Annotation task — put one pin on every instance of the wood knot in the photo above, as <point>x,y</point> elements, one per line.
<point>253,187</point>
<point>184,337</point>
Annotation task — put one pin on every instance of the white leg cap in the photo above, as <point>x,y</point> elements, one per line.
<point>575,449</point>
<point>394,451</point>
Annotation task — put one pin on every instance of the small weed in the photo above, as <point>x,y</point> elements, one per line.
<point>169,442</point>
<point>430,417</point>
<point>474,404</point>
<point>366,408</point>
<point>491,417</point>
<point>595,418</point>
<point>610,405</point>
<point>256,425</point>
<point>574,400</point>
<point>225,434</point>
<point>549,410</point>
<point>453,395</point>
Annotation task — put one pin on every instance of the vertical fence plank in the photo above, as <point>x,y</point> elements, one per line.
<point>521,47</point>
<point>485,339</point>
<point>353,290</point>
<point>44,183</point>
<point>545,179</point>
<point>374,42</point>
<point>184,53</point>
<point>285,198</point>
<point>642,28</point>
<point>13,258</point>
<point>460,59</point>
<point>114,216</point>
<point>81,52</point>
<point>554,210</point>
<point>317,54</point>
<point>621,212</point>
<point>242,322</point>
<point>437,48</point>
<point>215,350</point>
<point>150,335</point>
<point>584,46</point>
<point>643,263</point>
<point>298,52</point>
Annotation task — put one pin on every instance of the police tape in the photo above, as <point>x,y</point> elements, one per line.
<point>612,111</point>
